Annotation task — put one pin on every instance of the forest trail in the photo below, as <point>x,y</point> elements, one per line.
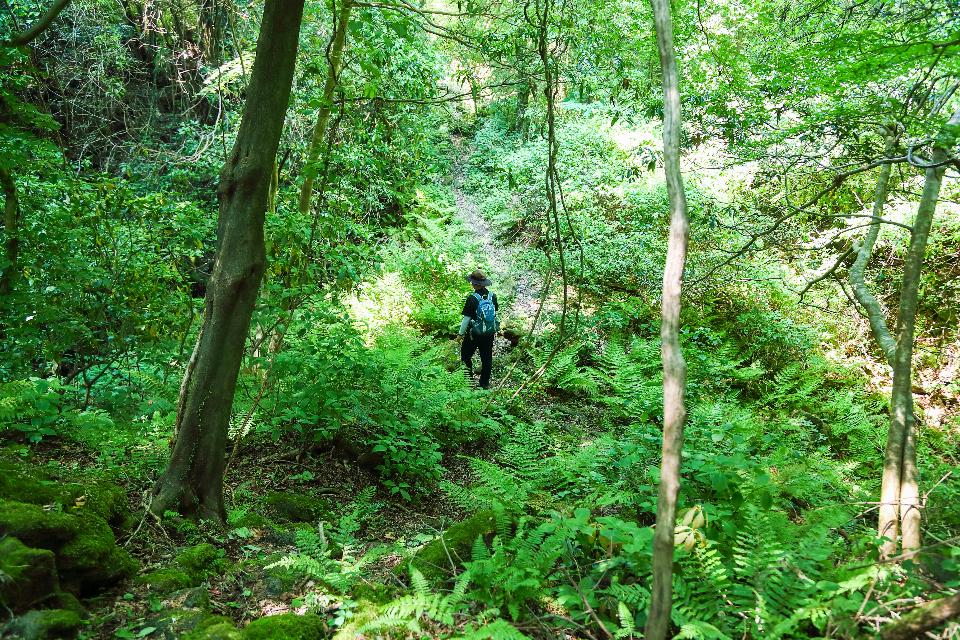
<point>519,287</point>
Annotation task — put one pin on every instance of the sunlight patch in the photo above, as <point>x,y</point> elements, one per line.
<point>378,303</point>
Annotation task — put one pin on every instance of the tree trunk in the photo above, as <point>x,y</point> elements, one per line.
<point>339,39</point>
<point>899,488</point>
<point>923,618</point>
<point>11,231</point>
<point>875,313</point>
<point>674,366</point>
<point>193,481</point>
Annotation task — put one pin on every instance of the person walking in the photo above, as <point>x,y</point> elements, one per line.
<point>479,326</point>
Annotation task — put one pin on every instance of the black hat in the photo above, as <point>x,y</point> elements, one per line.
<point>478,278</point>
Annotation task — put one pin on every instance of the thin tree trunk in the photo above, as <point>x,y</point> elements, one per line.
<point>193,481</point>
<point>875,314</point>
<point>888,518</point>
<point>11,231</point>
<point>674,366</point>
<point>339,39</point>
<point>899,485</point>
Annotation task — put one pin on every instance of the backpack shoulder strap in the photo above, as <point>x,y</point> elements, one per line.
<point>477,296</point>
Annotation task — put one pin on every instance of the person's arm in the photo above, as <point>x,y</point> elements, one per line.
<point>463,325</point>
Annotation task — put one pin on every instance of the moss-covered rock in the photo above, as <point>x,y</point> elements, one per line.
<point>31,575</point>
<point>92,559</point>
<point>71,520</point>
<point>166,580</point>
<point>68,601</point>
<point>47,624</point>
<point>251,520</point>
<point>40,486</point>
<point>219,631</point>
<point>190,568</point>
<point>214,628</point>
<point>192,598</point>
<point>177,624</point>
<point>286,626</point>
<point>202,559</point>
<point>433,560</point>
<point>278,580</point>
<point>297,507</point>
<point>36,527</point>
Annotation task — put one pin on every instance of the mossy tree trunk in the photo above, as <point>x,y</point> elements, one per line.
<point>193,481</point>
<point>674,366</point>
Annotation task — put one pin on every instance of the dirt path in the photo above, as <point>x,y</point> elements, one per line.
<point>520,287</point>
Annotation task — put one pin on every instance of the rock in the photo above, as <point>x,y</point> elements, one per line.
<point>219,631</point>
<point>190,568</point>
<point>68,601</point>
<point>36,527</point>
<point>46,624</point>
<point>39,486</point>
<point>166,580</point>
<point>31,575</point>
<point>278,580</point>
<point>433,560</point>
<point>286,626</point>
<point>175,624</point>
<point>201,560</point>
<point>195,598</point>
<point>297,507</point>
<point>69,519</point>
<point>92,560</point>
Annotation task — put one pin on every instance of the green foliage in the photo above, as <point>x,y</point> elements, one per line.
<point>34,408</point>
<point>394,397</point>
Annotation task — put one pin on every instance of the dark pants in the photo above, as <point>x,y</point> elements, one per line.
<point>485,346</point>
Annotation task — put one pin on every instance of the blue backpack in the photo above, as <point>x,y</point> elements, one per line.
<point>485,322</point>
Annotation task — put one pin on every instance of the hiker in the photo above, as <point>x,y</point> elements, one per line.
<point>479,326</point>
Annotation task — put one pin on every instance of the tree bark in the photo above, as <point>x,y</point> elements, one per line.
<point>11,231</point>
<point>193,481</point>
<point>899,486</point>
<point>923,618</point>
<point>41,25</point>
<point>875,314</point>
<point>674,366</point>
<point>339,39</point>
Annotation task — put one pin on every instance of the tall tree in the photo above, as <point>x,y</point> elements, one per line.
<point>674,366</point>
<point>193,481</point>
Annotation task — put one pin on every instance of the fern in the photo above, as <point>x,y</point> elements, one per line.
<point>410,610</point>
<point>499,629</point>
<point>564,373</point>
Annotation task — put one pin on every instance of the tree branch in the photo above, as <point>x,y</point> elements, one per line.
<point>38,27</point>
